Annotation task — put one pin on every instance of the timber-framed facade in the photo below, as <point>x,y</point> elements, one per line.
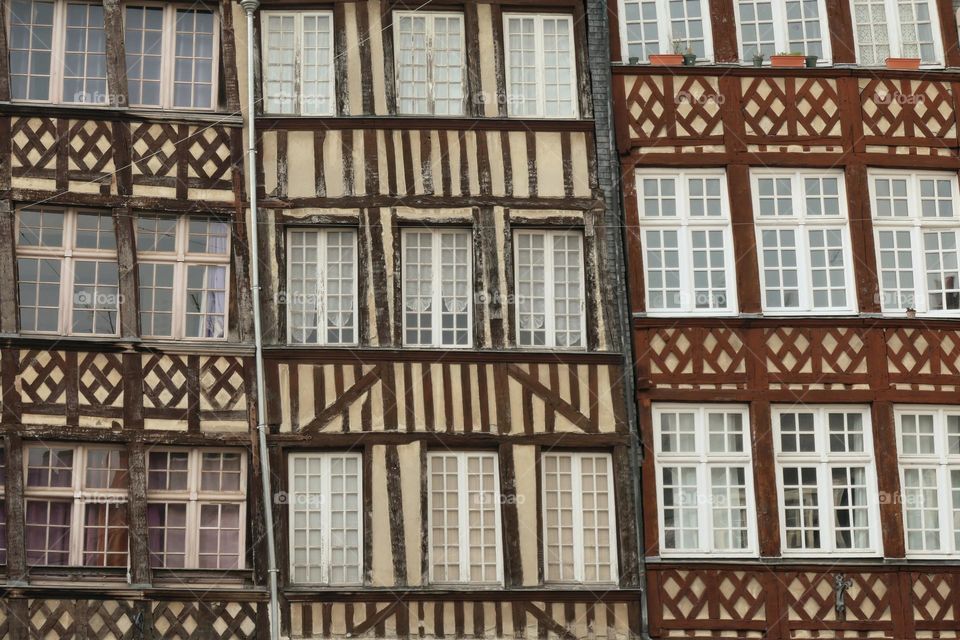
<point>770,260</point>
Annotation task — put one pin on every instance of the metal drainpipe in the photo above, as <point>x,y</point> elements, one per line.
<point>250,6</point>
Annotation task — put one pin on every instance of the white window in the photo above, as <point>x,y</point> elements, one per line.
<point>769,27</point>
<point>172,56</point>
<point>896,29</point>
<point>57,52</point>
<point>322,286</point>
<point>437,287</point>
<point>705,481</point>
<point>75,505</point>
<point>687,242</point>
<point>196,508</point>
<point>665,26</point>
<point>67,271</point>
<point>916,228</point>
<point>579,530</point>
<point>549,289</point>
<point>541,72</point>
<point>298,70</point>
<point>826,481</point>
<point>803,242</point>
<point>929,442</point>
<point>184,262</point>
<point>326,524</point>
<point>463,490</point>
<point>430,62</point>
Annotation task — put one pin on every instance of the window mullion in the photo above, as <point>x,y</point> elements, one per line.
<point>663,26</point>
<point>428,33</point>
<point>549,319</point>
<point>436,316</point>
<point>321,294</point>
<point>576,484</point>
<point>298,92</point>
<point>463,516</point>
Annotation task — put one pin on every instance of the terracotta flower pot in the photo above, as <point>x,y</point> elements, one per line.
<point>666,59</point>
<point>903,63</point>
<point>788,61</point>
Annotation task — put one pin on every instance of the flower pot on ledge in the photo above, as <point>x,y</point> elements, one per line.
<point>903,63</point>
<point>788,61</point>
<point>666,59</point>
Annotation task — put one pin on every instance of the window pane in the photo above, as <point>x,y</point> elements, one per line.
<point>31,42</point>
<point>105,537</point>
<point>279,64</point>
<point>168,471</point>
<point>756,28</point>
<point>531,289</point>
<point>206,297</point>
<point>221,472</point>
<point>219,536</point>
<point>320,299</point>
<point>106,469</point>
<point>49,467</point>
<point>317,75</point>
<point>193,64</point>
<point>48,532</point>
<point>143,40</point>
<point>167,534</point>
<point>95,297</point>
<point>85,60</point>
<point>801,508</point>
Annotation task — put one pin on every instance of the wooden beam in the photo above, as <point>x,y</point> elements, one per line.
<point>127,263</point>
<point>16,548</point>
<point>948,32</point>
<point>842,46</point>
<point>398,541</point>
<point>744,238</point>
<point>4,59</point>
<point>228,52</point>
<point>724,26</point>
<point>116,59</point>
<point>628,554</point>
<point>8,269</point>
<point>888,480</point>
<point>765,479</point>
<point>140,573</point>
<point>510,519</point>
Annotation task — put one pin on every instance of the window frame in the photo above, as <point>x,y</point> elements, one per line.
<point>916,225</point>
<point>168,53</point>
<point>576,490</point>
<point>686,225</point>
<point>824,461</point>
<point>703,461</point>
<point>781,38</point>
<point>665,45</point>
<point>463,515</point>
<point>538,37</point>
<point>298,16</point>
<point>194,497</point>
<point>67,255</point>
<point>325,535</point>
<point>78,495</point>
<point>430,16</point>
<point>891,11</point>
<point>322,264</point>
<point>802,222</point>
<point>943,462</point>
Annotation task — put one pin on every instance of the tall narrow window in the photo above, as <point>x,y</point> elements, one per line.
<point>540,67</point>
<point>322,286</point>
<point>76,505</point>
<point>172,56</point>
<point>896,29</point>
<point>464,518</point>
<point>196,508</point>
<point>664,26</point>
<point>549,289</point>
<point>827,481</point>
<point>184,263</point>
<point>67,271</point>
<point>687,242</point>
<point>430,62</point>
<point>437,286</point>
<point>803,242</point>
<point>579,537</point>
<point>57,52</point>
<point>705,481</point>
<point>917,226</point>
<point>298,72</point>
<point>929,439</point>
<point>326,528</point>
<point>768,27</point>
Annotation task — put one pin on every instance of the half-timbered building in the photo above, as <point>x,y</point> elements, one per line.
<point>792,249</point>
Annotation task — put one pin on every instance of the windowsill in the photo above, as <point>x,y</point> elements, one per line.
<point>118,344</point>
<point>108,111</point>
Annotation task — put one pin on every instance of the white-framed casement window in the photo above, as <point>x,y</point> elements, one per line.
<point>184,265</point>
<point>826,480</point>
<point>326,521</point>
<point>437,287</point>
<point>687,242</point>
<point>664,26</point>
<point>430,62</point>
<point>916,229</point>
<point>769,27</point>
<point>67,272</point>
<point>196,508</point>
<point>322,286</point>
<point>549,289</point>
<point>75,505</point>
<point>896,29</point>
<point>579,522</point>
<point>57,52</point>
<point>541,70</point>
<point>929,443</point>
<point>172,55</point>
<point>704,480</point>
<point>298,56</point>
<point>803,242</point>
<point>463,490</point>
